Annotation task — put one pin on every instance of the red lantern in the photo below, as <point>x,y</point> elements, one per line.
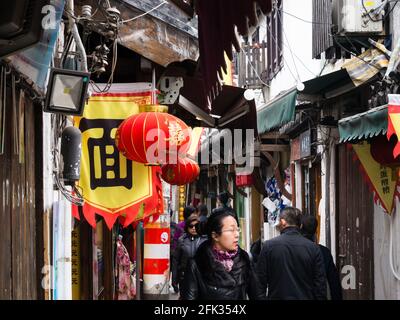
<point>153,137</point>
<point>382,150</point>
<point>184,172</point>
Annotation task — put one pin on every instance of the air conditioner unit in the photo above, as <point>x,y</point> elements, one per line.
<point>350,16</point>
<point>20,24</point>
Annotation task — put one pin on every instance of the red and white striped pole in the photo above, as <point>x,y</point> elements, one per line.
<point>156,257</point>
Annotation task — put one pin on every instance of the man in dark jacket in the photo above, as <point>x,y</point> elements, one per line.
<point>290,267</point>
<point>309,227</point>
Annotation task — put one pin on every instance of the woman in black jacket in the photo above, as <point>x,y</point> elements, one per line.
<point>185,250</point>
<point>221,270</point>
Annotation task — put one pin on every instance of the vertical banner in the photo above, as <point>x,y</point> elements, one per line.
<point>76,265</point>
<point>113,186</point>
<point>394,120</point>
<point>62,283</point>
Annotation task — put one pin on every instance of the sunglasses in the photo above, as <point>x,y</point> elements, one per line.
<point>193,225</point>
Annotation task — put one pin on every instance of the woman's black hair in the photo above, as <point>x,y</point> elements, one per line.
<point>224,198</point>
<point>214,223</point>
<point>190,220</point>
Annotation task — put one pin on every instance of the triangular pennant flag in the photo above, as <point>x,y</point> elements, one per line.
<point>380,178</point>
<point>75,212</point>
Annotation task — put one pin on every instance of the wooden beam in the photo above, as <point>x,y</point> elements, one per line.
<point>155,39</point>
<point>184,7</point>
<point>274,147</point>
<point>149,36</point>
<point>196,111</point>
<point>274,135</point>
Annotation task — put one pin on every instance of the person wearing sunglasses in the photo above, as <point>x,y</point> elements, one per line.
<point>221,270</point>
<point>186,248</point>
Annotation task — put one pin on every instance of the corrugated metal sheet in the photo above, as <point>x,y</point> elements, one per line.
<point>18,243</point>
<point>321,39</point>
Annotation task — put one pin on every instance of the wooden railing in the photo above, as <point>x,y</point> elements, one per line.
<point>252,66</point>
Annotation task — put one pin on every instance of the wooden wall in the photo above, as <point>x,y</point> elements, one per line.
<point>20,239</point>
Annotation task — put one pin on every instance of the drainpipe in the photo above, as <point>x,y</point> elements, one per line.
<point>327,198</point>
<point>139,253</point>
<point>76,36</point>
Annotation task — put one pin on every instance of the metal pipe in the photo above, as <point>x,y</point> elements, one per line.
<point>139,254</point>
<point>327,198</point>
<point>77,38</point>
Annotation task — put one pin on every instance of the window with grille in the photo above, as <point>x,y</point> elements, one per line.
<point>274,40</point>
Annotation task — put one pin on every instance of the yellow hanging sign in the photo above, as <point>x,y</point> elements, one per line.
<point>382,179</point>
<point>113,186</point>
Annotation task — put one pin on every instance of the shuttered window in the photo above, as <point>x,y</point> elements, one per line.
<point>274,40</point>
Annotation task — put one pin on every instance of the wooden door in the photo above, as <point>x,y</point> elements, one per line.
<point>355,256</point>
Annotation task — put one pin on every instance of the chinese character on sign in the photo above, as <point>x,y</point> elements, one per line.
<point>176,133</point>
<point>109,172</point>
<point>386,190</point>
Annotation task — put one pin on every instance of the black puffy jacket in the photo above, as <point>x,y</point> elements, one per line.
<point>291,267</point>
<point>207,279</point>
<point>185,250</point>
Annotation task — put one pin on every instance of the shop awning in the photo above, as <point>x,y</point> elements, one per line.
<point>364,125</point>
<point>278,112</point>
<point>218,22</point>
<point>327,86</point>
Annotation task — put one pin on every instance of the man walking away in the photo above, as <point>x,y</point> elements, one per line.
<point>203,213</point>
<point>290,267</point>
<point>308,228</point>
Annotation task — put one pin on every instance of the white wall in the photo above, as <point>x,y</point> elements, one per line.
<point>297,35</point>
<point>386,285</point>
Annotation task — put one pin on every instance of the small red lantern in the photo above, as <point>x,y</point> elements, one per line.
<point>153,136</point>
<point>184,172</point>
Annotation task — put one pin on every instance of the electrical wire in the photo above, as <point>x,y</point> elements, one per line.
<point>280,20</point>
<point>377,20</point>
<point>283,58</point>
<point>146,13</point>
<point>110,81</point>
<point>353,54</point>
<point>58,122</point>
<point>301,19</point>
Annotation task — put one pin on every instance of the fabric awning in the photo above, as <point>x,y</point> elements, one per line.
<point>218,20</point>
<point>278,112</point>
<point>364,125</point>
<point>327,86</point>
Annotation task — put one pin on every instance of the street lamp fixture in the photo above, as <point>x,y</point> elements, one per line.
<point>66,91</point>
